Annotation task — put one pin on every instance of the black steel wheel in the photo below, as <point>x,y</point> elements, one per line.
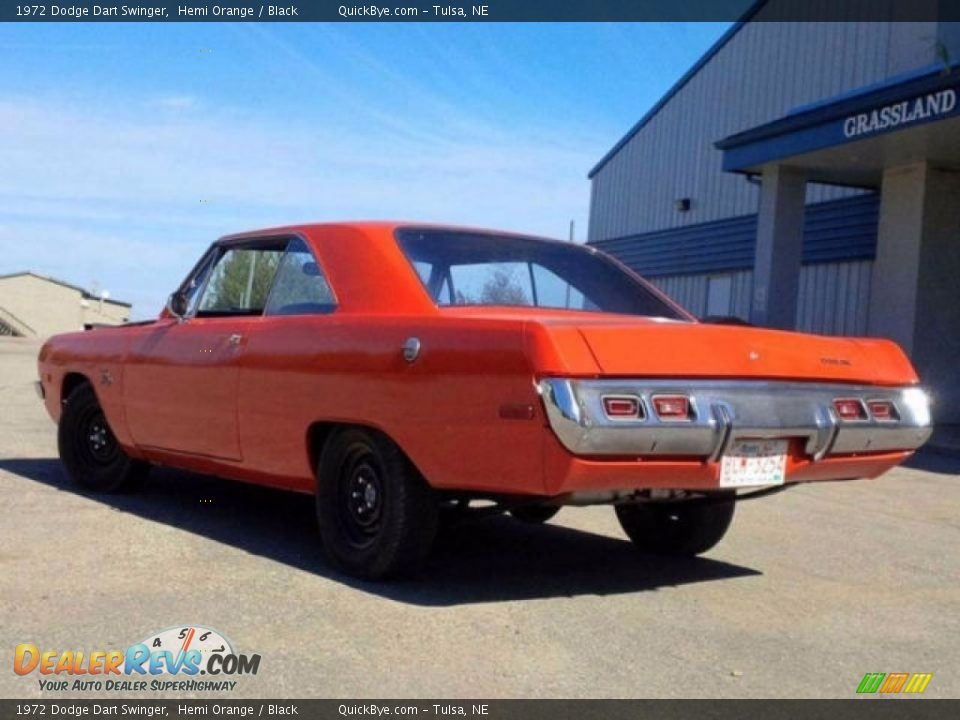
<point>360,496</point>
<point>534,514</point>
<point>677,528</point>
<point>377,515</point>
<point>89,450</point>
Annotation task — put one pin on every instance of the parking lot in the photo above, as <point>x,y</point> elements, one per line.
<point>811,589</point>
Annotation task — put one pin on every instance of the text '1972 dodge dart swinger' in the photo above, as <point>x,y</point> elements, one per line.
<point>399,370</point>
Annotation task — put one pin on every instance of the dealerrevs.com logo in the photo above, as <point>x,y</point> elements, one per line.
<point>170,660</point>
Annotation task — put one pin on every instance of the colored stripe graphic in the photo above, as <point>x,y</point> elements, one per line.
<point>894,682</point>
<point>870,683</point>
<point>918,682</point>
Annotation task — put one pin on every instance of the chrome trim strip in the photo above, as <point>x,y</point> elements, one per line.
<point>725,410</point>
<point>725,423</point>
<point>828,426</point>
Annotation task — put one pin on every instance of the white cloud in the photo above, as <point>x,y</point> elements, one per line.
<point>129,197</point>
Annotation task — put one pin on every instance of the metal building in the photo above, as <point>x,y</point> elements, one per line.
<point>804,175</point>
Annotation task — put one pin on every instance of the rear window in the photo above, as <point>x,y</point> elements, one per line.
<point>468,268</point>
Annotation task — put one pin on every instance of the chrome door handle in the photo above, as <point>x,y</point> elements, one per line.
<point>411,349</point>
<point>235,339</point>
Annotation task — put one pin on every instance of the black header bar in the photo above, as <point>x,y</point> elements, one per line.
<point>477,11</point>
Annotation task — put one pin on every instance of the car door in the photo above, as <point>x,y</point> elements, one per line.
<point>181,379</point>
<point>293,366</point>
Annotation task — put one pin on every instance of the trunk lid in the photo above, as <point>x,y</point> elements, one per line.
<point>651,348</point>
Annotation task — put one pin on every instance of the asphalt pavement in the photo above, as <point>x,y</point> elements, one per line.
<point>810,590</point>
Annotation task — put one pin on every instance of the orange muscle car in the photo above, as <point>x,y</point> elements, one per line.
<point>398,371</point>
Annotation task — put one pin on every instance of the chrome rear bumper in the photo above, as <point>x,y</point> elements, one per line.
<point>723,411</point>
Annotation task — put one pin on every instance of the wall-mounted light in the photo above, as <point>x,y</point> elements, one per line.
<point>682,204</point>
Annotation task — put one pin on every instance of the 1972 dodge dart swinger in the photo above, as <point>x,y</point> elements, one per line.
<point>396,369</point>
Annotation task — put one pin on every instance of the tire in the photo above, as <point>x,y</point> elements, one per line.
<point>535,514</point>
<point>89,450</point>
<point>678,529</point>
<point>377,515</point>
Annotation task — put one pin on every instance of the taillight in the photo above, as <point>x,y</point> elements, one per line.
<point>622,407</point>
<point>671,407</point>
<point>882,410</point>
<point>849,409</point>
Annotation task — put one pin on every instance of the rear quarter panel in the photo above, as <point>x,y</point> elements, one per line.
<point>443,410</point>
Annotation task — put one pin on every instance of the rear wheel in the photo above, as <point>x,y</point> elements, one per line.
<point>535,514</point>
<point>89,450</point>
<point>677,528</point>
<point>377,515</point>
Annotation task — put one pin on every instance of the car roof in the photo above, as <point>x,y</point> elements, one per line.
<point>378,228</point>
<point>365,266</point>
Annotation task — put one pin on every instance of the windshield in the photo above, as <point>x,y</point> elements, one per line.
<point>469,268</point>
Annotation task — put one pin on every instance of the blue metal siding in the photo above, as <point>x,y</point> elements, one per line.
<point>833,297</point>
<point>707,56</point>
<point>841,230</point>
<point>691,291</point>
<point>835,231</point>
<point>762,72</point>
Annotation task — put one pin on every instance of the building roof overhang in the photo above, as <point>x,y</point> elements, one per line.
<point>852,138</point>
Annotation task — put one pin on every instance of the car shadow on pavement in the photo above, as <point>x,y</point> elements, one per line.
<point>935,461</point>
<point>475,560</point>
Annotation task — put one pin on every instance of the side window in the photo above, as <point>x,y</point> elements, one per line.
<point>424,269</point>
<point>300,287</point>
<point>436,280</point>
<point>195,284</point>
<point>240,281</point>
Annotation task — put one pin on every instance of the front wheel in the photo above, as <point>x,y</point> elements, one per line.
<point>89,450</point>
<point>377,515</point>
<point>677,528</point>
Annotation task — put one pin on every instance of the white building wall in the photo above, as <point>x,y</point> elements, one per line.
<point>47,308</point>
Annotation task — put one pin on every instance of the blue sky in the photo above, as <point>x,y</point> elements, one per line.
<point>126,149</point>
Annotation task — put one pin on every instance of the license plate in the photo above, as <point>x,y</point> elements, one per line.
<point>748,463</point>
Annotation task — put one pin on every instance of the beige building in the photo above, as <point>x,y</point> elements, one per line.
<point>33,305</point>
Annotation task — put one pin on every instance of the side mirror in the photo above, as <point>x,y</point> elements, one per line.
<point>177,305</point>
